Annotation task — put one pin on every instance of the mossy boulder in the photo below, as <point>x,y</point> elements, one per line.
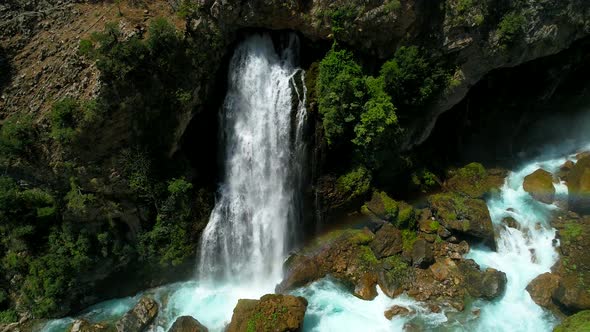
<point>578,182</point>
<point>345,255</point>
<point>579,322</point>
<point>539,184</point>
<point>272,313</point>
<point>383,207</point>
<point>187,324</point>
<point>572,293</point>
<point>463,215</point>
<point>475,181</point>
<point>488,284</point>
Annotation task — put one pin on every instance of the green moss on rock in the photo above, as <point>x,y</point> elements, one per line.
<point>579,322</point>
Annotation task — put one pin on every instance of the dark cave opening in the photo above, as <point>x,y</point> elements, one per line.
<point>517,114</point>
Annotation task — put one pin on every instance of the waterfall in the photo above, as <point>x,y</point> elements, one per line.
<point>253,222</point>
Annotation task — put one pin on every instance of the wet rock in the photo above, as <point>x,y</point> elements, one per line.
<point>464,215</point>
<point>488,284</point>
<point>280,313</point>
<point>345,255</point>
<point>187,324</point>
<point>396,310</point>
<point>579,322</point>
<point>388,242</point>
<point>511,222</point>
<point>366,287</point>
<point>422,255</point>
<point>579,186</point>
<point>140,317</point>
<point>542,287</point>
<point>81,325</point>
<point>565,169</point>
<point>539,184</point>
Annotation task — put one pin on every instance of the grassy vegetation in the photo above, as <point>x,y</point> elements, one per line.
<point>354,183</point>
<point>510,27</point>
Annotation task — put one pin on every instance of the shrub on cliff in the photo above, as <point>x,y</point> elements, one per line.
<point>341,90</point>
<point>16,136</point>
<point>411,79</point>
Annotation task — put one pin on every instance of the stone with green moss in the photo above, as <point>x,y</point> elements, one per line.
<point>579,322</point>
<point>465,215</point>
<point>475,181</point>
<point>273,312</point>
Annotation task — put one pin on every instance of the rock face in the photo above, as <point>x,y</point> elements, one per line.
<point>579,322</point>
<point>539,184</point>
<point>578,182</point>
<point>280,313</point>
<point>542,288</point>
<point>187,324</point>
<point>140,317</point>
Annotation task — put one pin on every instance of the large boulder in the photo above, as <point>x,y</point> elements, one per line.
<point>140,317</point>
<point>539,184</point>
<point>488,284</point>
<point>388,241</point>
<point>277,313</point>
<point>463,215</point>
<point>475,181</point>
<point>422,255</point>
<point>579,322</point>
<point>572,293</point>
<point>383,207</point>
<point>578,183</point>
<point>187,324</point>
<point>542,287</point>
<point>345,255</point>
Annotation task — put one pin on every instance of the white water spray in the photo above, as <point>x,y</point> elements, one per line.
<point>246,239</point>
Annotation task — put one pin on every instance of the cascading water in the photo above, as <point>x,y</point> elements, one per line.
<point>246,238</point>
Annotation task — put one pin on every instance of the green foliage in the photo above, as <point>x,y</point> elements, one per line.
<point>76,200</point>
<point>424,180</point>
<point>52,275</point>
<point>16,136</point>
<point>8,316</point>
<point>355,108</point>
<point>464,5</point>
<point>411,79</point>
<point>472,170</point>
<point>69,117</point>
<point>355,183</point>
<point>434,225</point>
<point>392,5</point>
<point>188,9</point>
<point>151,79</point>
<point>510,27</point>
<point>342,16</point>
<point>170,242</point>
<point>341,90</point>
<point>378,122</point>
